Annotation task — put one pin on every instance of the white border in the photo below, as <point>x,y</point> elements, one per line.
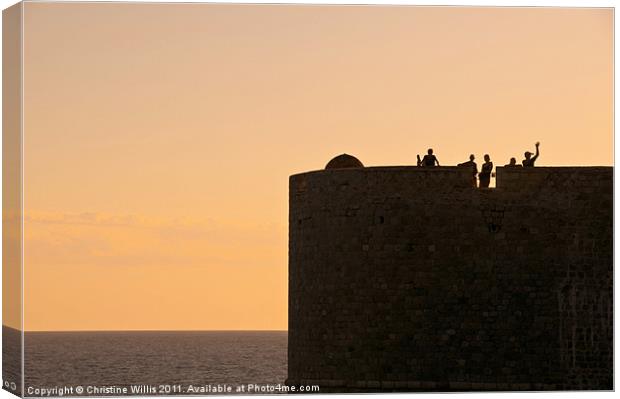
<point>480,3</point>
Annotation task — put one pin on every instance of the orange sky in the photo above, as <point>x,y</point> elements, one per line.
<point>159,137</point>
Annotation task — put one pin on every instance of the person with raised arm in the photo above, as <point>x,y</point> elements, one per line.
<point>529,159</point>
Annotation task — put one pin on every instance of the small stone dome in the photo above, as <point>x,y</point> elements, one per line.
<point>344,161</point>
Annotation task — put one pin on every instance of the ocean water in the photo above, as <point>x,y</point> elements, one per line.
<point>167,362</point>
<point>11,359</point>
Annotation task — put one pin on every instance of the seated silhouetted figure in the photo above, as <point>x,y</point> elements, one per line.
<point>472,165</point>
<point>512,164</point>
<point>485,171</point>
<point>429,159</point>
<point>529,159</point>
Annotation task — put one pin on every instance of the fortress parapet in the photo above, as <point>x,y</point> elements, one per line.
<point>408,278</point>
<point>559,179</point>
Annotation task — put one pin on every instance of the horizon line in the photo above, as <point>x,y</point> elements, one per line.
<point>144,330</point>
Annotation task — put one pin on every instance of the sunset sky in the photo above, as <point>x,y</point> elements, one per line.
<point>159,138</point>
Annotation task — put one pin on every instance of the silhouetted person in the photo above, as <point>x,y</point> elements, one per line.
<point>429,159</point>
<point>512,164</point>
<point>529,159</point>
<point>472,165</point>
<point>419,160</point>
<point>485,171</point>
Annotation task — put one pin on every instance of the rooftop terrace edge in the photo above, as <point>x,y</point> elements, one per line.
<point>506,177</point>
<point>448,168</point>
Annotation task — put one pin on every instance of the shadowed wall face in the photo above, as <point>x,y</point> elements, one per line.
<point>406,278</point>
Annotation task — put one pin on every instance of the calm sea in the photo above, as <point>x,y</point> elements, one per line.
<point>164,361</point>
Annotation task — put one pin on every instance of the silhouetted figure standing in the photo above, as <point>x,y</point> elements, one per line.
<point>512,164</point>
<point>485,171</point>
<point>429,159</point>
<point>529,159</point>
<point>472,165</point>
<point>419,160</point>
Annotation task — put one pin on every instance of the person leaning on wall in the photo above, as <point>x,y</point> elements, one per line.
<point>513,163</point>
<point>471,164</point>
<point>428,160</point>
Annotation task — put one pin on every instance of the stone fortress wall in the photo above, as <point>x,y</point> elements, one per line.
<point>408,278</point>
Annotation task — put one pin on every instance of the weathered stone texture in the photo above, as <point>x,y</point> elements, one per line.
<point>407,278</point>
